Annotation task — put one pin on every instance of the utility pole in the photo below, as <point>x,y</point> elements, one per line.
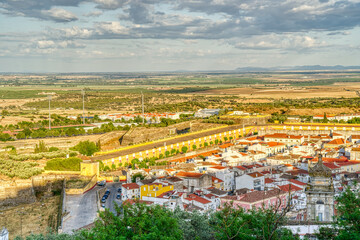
<point>83,98</point>
<point>49,97</point>
<point>142,103</point>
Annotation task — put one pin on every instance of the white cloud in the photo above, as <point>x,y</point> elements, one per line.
<point>59,14</point>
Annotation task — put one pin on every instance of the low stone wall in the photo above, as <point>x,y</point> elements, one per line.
<point>90,185</point>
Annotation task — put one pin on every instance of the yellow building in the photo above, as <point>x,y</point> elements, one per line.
<point>90,169</point>
<point>154,189</point>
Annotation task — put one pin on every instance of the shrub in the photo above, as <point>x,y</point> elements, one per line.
<point>63,164</point>
<point>53,149</point>
<point>47,155</point>
<point>86,148</point>
<point>19,169</point>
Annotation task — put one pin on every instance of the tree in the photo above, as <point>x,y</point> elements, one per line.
<point>236,223</point>
<point>194,225</point>
<point>206,144</point>
<point>86,148</point>
<point>41,147</point>
<point>194,147</point>
<point>113,167</point>
<point>138,222</point>
<point>225,139</point>
<point>137,175</point>
<point>347,221</point>
<point>184,149</point>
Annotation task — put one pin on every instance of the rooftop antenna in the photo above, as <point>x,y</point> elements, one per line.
<point>49,97</point>
<point>142,107</point>
<point>83,99</point>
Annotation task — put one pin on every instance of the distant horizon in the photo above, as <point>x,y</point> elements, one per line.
<point>236,70</point>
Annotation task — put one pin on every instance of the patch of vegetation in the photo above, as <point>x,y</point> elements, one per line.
<point>46,155</point>
<point>22,170</point>
<point>86,147</point>
<point>63,164</point>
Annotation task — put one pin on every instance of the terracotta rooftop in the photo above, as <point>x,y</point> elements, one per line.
<point>189,174</point>
<point>257,196</point>
<point>130,186</point>
<point>283,135</point>
<point>255,174</point>
<point>289,187</point>
<point>297,182</point>
<point>194,197</point>
<point>339,141</point>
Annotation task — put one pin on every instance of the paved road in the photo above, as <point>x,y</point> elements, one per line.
<point>82,210</point>
<point>113,187</point>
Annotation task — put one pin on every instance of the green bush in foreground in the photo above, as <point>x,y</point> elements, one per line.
<point>139,221</point>
<point>63,164</point>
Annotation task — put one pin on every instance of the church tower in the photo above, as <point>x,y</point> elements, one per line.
<point>320,193</point>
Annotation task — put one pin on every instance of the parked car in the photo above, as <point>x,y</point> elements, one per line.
<point>118,196</point>
<point>119,190</point>
<point>106,196</point>
<point>103,200</point>
<point>101,183</point>
<point>103,205</point>
<point>107,192</point>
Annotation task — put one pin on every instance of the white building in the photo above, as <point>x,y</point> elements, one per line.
<point>130,191</point>
<point>251,181</point>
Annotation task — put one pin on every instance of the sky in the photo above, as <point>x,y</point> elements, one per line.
<point>173,35</point>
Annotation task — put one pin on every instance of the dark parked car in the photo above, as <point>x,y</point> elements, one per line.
<point>118,196</point>
<point>103,200</point>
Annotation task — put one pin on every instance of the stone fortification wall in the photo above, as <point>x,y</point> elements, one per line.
<point>16,192</point>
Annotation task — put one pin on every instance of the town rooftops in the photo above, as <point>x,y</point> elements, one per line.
<point>283,135</point>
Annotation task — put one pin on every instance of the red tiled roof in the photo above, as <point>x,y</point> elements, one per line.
<point>338,141</point>
<point>193,197</point>
<point>189,174</point>
<point>219,167</point>
<point>241,168</point>
<point>129,186</point>
<point>283,135</point>
<point>289,187</point>
<point>215,178</point>
<point>268,180</point>
<point>256,196</point>
<point>297,182</point>
<point>273,144</point>
<point>255,174</point>
<point>331,165</point>
<point>226,145</point>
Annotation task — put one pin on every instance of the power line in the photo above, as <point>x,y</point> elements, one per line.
<point>83,98</point>
<point>49,97</point>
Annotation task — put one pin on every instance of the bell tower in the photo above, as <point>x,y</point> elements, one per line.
<point>320,193</point>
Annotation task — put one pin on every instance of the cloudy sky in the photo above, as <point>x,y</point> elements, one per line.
<point>165,35</point>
